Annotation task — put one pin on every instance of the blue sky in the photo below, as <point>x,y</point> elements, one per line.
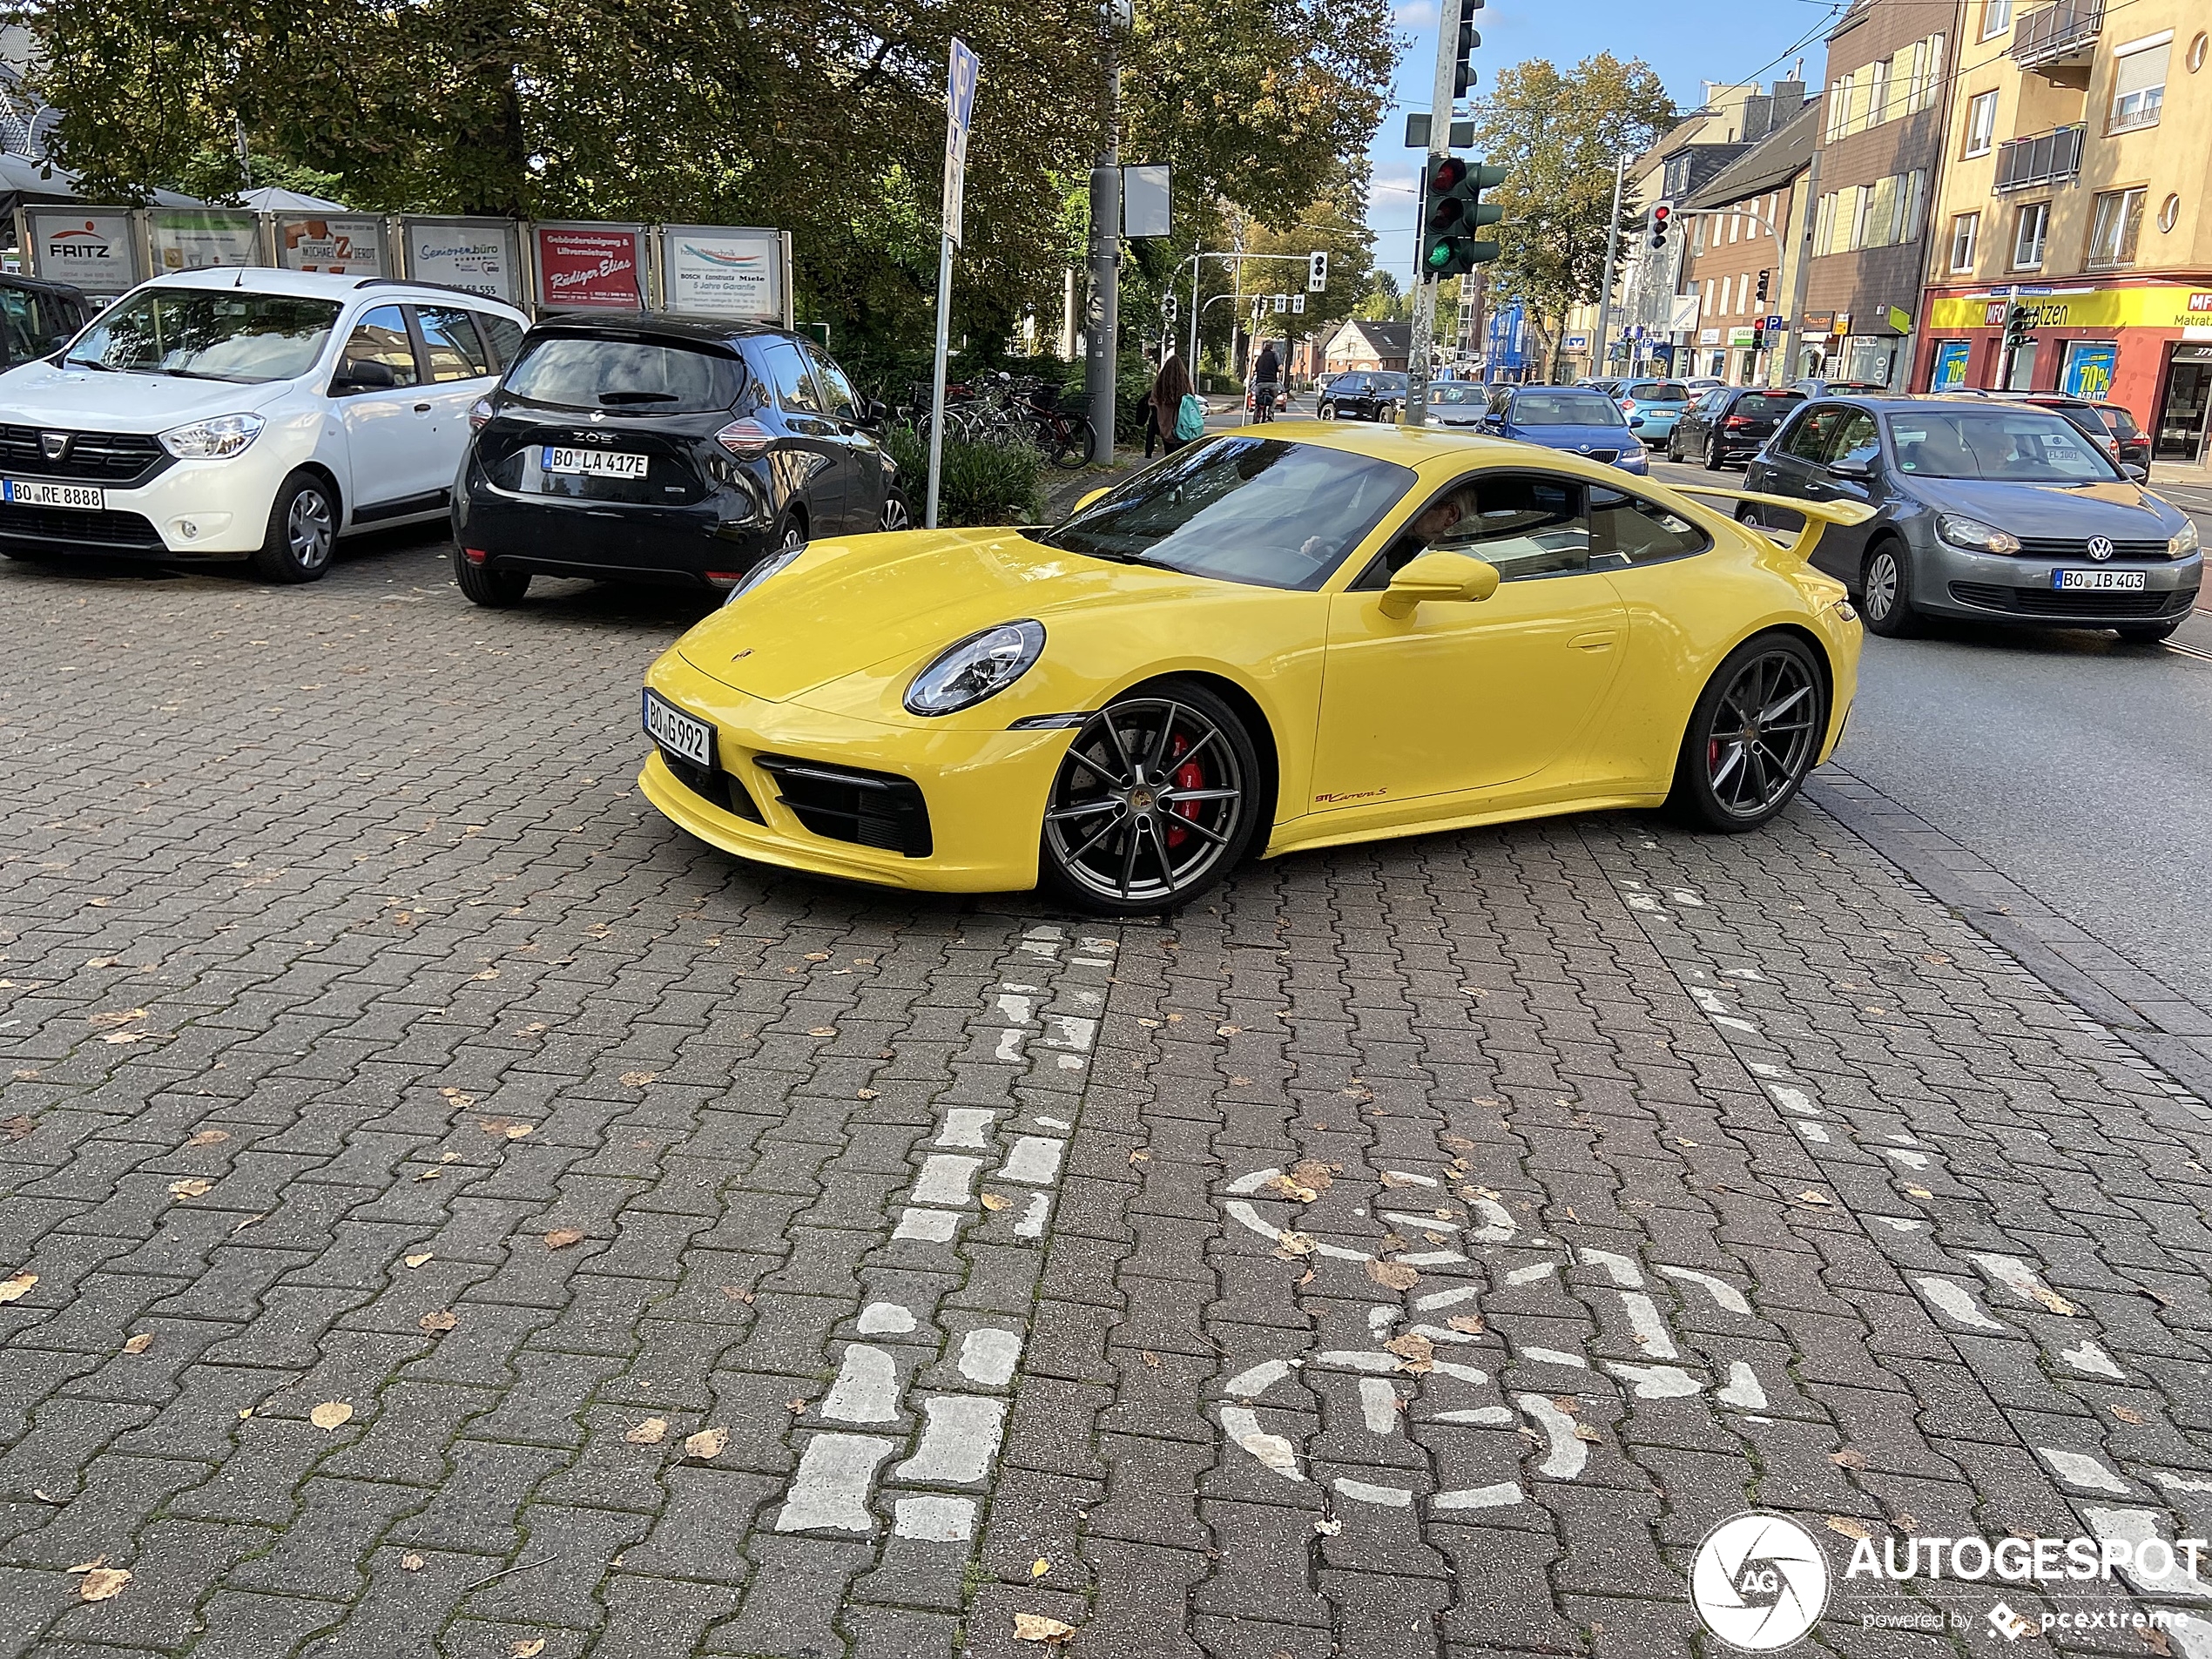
<point>1689,42</point>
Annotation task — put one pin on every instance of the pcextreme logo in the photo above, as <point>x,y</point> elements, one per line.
<point>1759,1582</point>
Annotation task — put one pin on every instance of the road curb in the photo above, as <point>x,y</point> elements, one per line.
<point>2167,1027</point>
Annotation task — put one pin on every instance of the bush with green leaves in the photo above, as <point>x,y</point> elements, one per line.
<point>980,484</point>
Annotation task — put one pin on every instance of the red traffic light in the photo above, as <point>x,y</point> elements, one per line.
<point>1446,175</point>
<point>1661,213</point>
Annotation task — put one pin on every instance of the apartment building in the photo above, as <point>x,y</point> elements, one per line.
<point>1746,230</point>
<point>1890,68</point>
<point>2078,180</point>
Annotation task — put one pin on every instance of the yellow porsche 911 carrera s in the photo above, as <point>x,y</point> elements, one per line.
<point>1263,643</point>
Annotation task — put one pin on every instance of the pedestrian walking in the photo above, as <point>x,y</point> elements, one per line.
<point>1267,370</point>
<point>1166,416</point>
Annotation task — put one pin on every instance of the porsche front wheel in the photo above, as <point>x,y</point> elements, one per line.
<point>1753,735</point>
<point>1156,800</point>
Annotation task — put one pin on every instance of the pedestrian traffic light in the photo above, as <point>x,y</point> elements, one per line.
<point>1463,71</point>
<point>1455,212</point>
<point>2018,327</point>
<point>1318,277</point>
<point>1167,306</point>
<point>1764,278</point>
<point>1662,220</point>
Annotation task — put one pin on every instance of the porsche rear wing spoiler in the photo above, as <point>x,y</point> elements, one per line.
<point>1817,514</point>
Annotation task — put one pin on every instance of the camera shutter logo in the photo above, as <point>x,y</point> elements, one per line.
<point>1759,1582</point>
<point>2100,547</point>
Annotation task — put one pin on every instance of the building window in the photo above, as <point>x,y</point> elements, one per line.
<point>1996,18</point>
<point>1965,232</point>
<point>1927,74</point>
<point>1981,124</point>
<point>2138,87</point>
<point>2029,226</point>
<point>1839,108</point>
<point>1823,224</point>
<point>1877,91</point>
<point>2119,221</point>
<point>1697,235</point>
<point>1916,204</point>
<point>1708,308</point>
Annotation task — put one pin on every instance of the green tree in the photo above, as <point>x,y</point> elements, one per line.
<point>1557,135</point>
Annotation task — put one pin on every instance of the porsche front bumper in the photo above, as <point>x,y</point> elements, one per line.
<point>983,791</point>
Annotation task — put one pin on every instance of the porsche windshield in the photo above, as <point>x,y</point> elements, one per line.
<point>1238,509</point>
<point>208,334</point>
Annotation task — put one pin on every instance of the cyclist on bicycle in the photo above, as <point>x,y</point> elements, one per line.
<point>1267,370</point>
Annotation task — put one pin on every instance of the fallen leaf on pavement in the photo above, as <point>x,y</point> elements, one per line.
<point>139,1343</point>
<point>20,1128</point>
<point>86,1567</point>
<point>116,1016</point>
<point>430,1175</point>
<point>1150,1358</point>
<point>796,1407</point>
<point>992,1201</point>
<point>1584,1432</point>
<point>1392,1277</point>
<point>209,1137</point>
<point>1847,1526</point>
<point>864,1094</point>
<point>2051,1299</point>
<point>1416,1353</point>
<point>1034,1627</point>
<point>1848,1458</point>
<point>562,1238</point>
<point>440,1322</point>
<point>1040,1567</point>
<point>1288,1243</point>
<point>651,1432</point>
<point>505,1128</point>
<point>2156,1641</point>
<point>191,1189</point>
<point>123,1036</point>
<point>2127,1414</point>
<point>457,1097</point>
<point>707,1443</point>
<point>14,1290</point>
<point>1468,1323</point>
<point>1313,1173</point>
<point>1140,1156</point>
<point>528,1649</point>
<point>737,1293</point>
<point>821,1030</point>
<point>1813,1195</point>
<point>818,955</point>
<point>102,1583</point>
<point>410,1562</point>
<point>1285,1186</point>
<point>1920,1192</point>
<point>416,1258</point>
<point>331,1414</point>
<point>638,1079</point>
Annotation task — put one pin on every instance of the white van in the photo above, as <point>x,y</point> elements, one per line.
<point>246,414</point>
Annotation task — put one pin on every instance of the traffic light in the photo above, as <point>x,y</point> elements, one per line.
<point>1662,220</point>
<point>1167,306</point>
<point>1318,277</point>
<point>1455,212</point>
<point>2018,327</point>
<point>1463,71</point>
<point>1764,278</point>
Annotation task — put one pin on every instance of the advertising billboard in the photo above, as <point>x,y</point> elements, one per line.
<point>725,271</point>
<point>91,246</point>
<point>195,239</point>
<point>590,268</point>
<point>482,255</point>
<point>342,244</point>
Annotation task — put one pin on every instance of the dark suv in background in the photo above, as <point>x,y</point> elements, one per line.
<point>39,318</point>
<point>1731,423</point>
<point>663,448</point>
<point>1363,394</point>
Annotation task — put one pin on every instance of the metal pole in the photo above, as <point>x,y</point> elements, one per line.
<point>1796,320</point>
<point>1604,353</point>
<point>1197,264</point>
<point>937,377</point>
<point>1415,411</point>
<point>1104,316</point>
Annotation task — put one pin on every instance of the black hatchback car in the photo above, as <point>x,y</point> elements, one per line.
<point>1731,423</point>
<point>663,448</point>
<point>1363,394</point>
<point>36,318</point>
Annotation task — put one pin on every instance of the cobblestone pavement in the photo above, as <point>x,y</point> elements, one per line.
<point>465,1214</point>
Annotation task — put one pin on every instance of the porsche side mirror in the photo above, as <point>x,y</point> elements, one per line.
<point>1438,576</point>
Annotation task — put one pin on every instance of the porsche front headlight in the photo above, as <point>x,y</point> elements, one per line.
<point>981,665</point>
<point>762,571</point>
<point>214,440</point>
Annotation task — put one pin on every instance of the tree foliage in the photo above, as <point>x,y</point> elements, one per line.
<point>1557,135</point>
<point>821,117</point>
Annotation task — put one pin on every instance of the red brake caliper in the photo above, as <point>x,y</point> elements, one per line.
<point>1188,775</point>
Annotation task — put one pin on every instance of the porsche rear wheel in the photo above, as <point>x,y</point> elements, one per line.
<point>1156,800</point>
<point>1753,735</point>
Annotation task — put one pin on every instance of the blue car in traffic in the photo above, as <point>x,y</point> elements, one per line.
<point>1573,418</point>
<point>1653,407</point>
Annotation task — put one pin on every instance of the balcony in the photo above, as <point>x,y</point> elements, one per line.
<point>2062,36</point>
<point>2043,159</point>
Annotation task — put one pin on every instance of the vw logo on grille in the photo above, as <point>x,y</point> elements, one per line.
<point>2100,547</point>
<point>53,445</point>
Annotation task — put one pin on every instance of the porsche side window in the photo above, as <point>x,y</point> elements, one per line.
<point>1629,529</point>
<point>1527,524</point>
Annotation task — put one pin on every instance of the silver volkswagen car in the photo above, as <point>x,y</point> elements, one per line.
<point>1987,512</point>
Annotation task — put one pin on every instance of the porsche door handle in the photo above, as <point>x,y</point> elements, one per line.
<point>1602,640</point>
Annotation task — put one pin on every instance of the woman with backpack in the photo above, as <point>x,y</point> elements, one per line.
<point>1175,415</point>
